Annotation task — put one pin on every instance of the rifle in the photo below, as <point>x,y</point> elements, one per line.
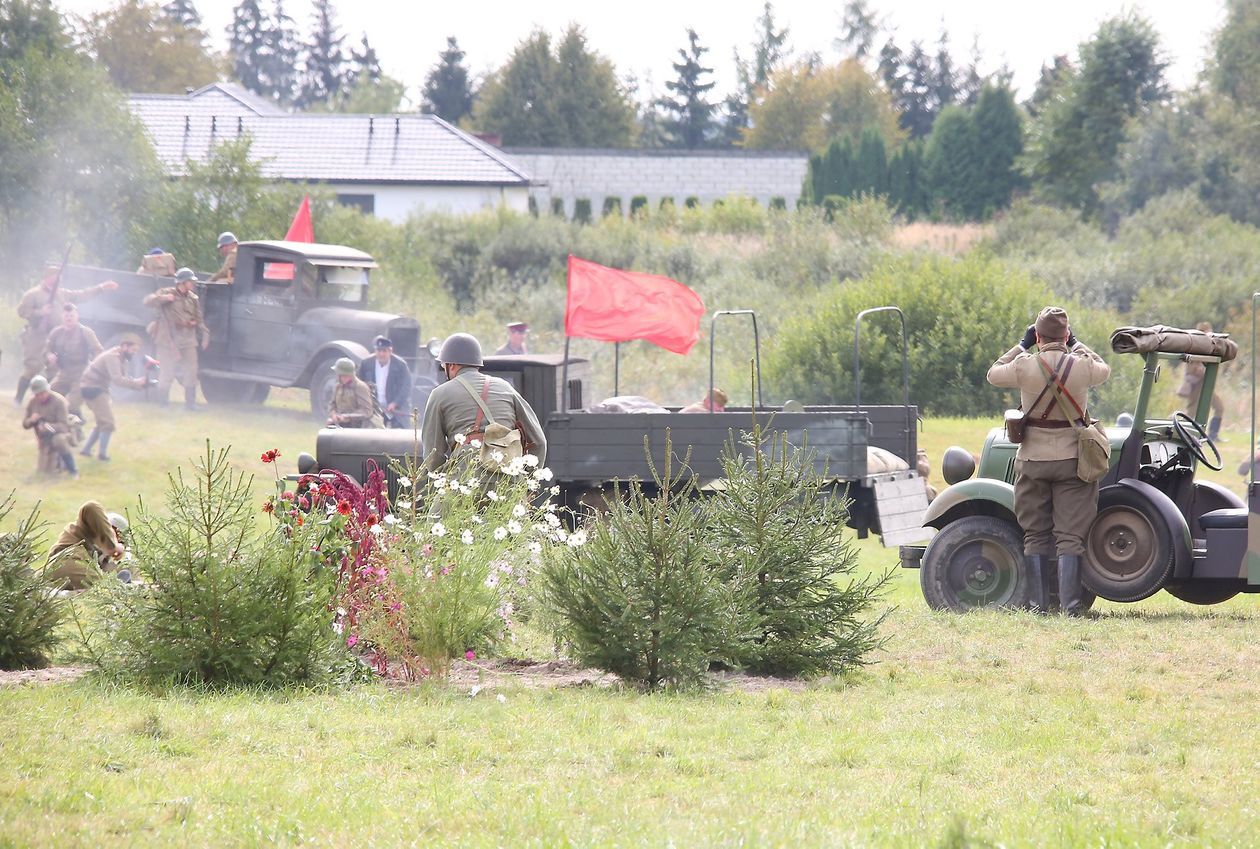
<point>61,269</point>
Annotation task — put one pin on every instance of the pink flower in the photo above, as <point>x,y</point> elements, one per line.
<point>427,549</point>
<point>304,502</point>
<point>446,570</point>
<point>470,655</point>
<point>352,640</point>
<point>287,496</point>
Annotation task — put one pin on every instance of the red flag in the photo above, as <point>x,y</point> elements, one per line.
<point>301,230</point>
<point>617,306</point>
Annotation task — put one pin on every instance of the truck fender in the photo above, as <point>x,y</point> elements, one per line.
<point>978,496</point>
<point>1183,555</point>
<point>332,350</point>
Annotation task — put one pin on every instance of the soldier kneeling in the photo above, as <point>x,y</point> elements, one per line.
<point>352,404</point>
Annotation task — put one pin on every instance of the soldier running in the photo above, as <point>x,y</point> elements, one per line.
<point>69,349</point>
<point>352,404</point>
<point>47,416</point>
<point>178,330</point>
<point>40,308</point>
<point>227,249</point>
<point>108,369</point>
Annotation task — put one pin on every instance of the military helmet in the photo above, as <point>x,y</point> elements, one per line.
<point>957,465</point>
<point>461,349</point>
<point>39,384</point>
<point>227,237</point>
<point>345,365</point>
<point>184,275</point>
<point>118,520</point>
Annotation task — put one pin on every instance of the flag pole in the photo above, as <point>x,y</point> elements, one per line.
<point>616,368</point>
<point>564,369</point>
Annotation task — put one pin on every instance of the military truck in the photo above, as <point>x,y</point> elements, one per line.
<point>1159,526</point>
<point>588,451</point>
<point>293,309</point>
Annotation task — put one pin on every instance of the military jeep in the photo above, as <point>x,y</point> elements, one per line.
<point>1158,527</point>
<point>293,309</point>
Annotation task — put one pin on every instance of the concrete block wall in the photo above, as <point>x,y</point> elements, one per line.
<point>570,174</point>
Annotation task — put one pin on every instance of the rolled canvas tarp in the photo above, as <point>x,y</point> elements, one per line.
<point>1173,340</point>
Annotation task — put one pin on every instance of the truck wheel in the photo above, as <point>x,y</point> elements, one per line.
<point>221,390</point>
<point>1129,548</point>
<point>977,561</point>
<point>1204,591</point>
<point>322,381</point>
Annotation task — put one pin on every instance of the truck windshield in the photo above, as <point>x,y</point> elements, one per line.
<point>345,284</point>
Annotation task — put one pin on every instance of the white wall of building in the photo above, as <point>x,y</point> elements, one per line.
<point>397,202</point>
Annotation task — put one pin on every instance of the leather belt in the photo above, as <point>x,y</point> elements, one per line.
<point>1049,423</point>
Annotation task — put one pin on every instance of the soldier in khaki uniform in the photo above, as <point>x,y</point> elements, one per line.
<point>47,416</point>
<point>69,349</point>
<point>87,545</point>
<point>516,341</point>
<point>451,409</point>
<point>1054,507</point>
<point>1191,389</point>
<point>227,249</point>
<point>352,404</point>
<point>108,369</point>
<point>40,308</point>
<point>178,332</point>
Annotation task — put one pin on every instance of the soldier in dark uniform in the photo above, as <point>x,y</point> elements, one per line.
<point>108,369</point>
<point>227,249</point>
<point>517,331</point>
<point>179,329</point>
<point>452,410</point>
<point>352,404</point>
<point>47,416</point>
<point>1054,507</point>
<point>69,349</point>
<point>390,379</point>
<point>40,308</point>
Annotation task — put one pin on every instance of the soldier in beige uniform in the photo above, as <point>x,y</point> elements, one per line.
<point>47,416</point>
<point>452,410</point>
<point>178,331</point>
<point>69,349</point>
<point>516,341</point>
<point>1054,507</point>
<point>40,308</point>
<point>227,249</point>
<point>86,545</point>
<point>1191,389</point>
<point>108,369</point>
<point>352,404</point>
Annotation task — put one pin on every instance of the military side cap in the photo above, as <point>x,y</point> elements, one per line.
<point>345,365</point>
<point>227,237</point>
<point>1052,323</point>
<point>518,325</point>
<point>382,342</point>
<point>184,275</point>
<point>39,384</point>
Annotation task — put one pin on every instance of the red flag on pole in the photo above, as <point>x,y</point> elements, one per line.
<point>618,306</point>
<point>301,230</point>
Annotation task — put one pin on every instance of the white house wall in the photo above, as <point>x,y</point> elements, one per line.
<point>397,202</point>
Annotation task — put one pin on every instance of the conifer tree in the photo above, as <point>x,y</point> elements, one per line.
<point>1000,134</point>
<point>279,72</point>
<point>183,13</point>
<point>447,88</point>
<point>324,59</point>
<point>246,45</point>
<point>870,165</point>
<point>690,113</point>
<point>953,168</point>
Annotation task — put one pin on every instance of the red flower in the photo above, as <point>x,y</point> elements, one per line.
<point>287,496</point>
<point>304,502</point>
<point>326,490</point>
<point>270,456</point>
<point>372,519</point>
<point>343,507</point>
<point>268,506</point>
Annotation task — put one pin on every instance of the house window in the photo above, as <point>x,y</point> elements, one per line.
<point>364,203</point>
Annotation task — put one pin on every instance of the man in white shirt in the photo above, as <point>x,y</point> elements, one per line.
<point>390,380</point>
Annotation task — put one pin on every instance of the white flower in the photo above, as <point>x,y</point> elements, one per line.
<point>550,507</point>
<point>559,535</point>
<point>378,530</point>
<point>404,482</point>
<point>577,538</point>
<point>476,443</point>
<point>492,581</point>
<point>460,439</point>
<point>312,485</point>
<point>341,611</point>
<point>555,490</point>
<point>553,520</point>
<point>530,460</point>
<point>505,568</point>
<point>531,485</point>
<point>543,474</point>
<point>477,520</point>
<point>493,496</point>
<point>500,533</point>
<point>502,699</point>
<point>472,694</point>
<point>403,505</point>
<point>474,481</point>
<point>439,484</point>
<point>433,476</point>
<point>535,547</point>
<point>466,537</point>
<point>519,511</point>
<point>438,529</point>
<point>338,627</point>
<point>513,526</point>
<point>391,519</point>
<point>496,456</point>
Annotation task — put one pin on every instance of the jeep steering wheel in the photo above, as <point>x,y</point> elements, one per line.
<point>1192,435</point>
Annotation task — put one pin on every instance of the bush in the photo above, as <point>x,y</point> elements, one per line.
<point>639,206</point>
<point>220,602</point>
<point>557,207</point>
<point>612,206</point>
<point>644,598</point>
<point>692,202</point>
<point>533,206</point>
<point>780,531</point>
<point>582,211</point>
<point>29,610</point>
<point>778,202</point>
<point>666,203</point>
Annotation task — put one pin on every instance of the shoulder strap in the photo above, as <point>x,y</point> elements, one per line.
<point>480,399</point>
<point>1060,391</point>
<point>1051,377</point>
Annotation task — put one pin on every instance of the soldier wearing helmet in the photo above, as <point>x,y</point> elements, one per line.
<point>48,417</point>
<point>352,404</point>
<point>178,332</point>
<point>110,368</point>
<point>227,249</point>
<point>92,543</point>
<point>455,408</point>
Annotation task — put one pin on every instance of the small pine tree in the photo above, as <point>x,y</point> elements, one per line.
<point>638,206</point>
<point>780,532</point>
<point>29,610</point>
<point>612,206</point>
<point>582,211</point>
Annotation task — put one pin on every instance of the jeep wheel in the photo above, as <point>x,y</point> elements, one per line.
<point>1129,547</point>
<point>1204,591</point>
<point>322,382</point>
<point>977,561</point>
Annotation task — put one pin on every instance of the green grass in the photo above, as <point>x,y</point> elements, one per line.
<point>1129,730</point>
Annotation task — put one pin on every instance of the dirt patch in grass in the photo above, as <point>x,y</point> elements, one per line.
<point>555,674</point>
<point>49,675</point>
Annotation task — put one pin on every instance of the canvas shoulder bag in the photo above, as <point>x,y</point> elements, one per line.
<point>495,437</point>
<point>1093,448</point>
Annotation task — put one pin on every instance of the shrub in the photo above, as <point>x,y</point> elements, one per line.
<point>29,610</point>
<point>778,202</point>
<point>533,206</point>
<point>638,206</point>
<point>692,202</point>
<point>780,532</point>
<point>666,203</point>
<point>557,207</point>
<point>612,206</point>
<point>582,211</point>
<point>644,598</point>
<point>221,602</point>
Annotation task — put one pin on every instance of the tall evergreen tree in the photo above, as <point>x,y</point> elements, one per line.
<point>858,28</point>
<point>365,66</point>
<point>918,104</point>
<point>324,65</point>
<point>447,88</point>
<point>1058,71</point>
<point>246,39</point>
<point>944,77</point>
<point>516,101</point>
<point>870,166</point>
<point>907,191</point>
<point>183,12</point>
<point>591,105</point>
<point>280,57</point>
<point>953,165</point>
<point>768,53</point>
<point>690,112</point>
<point>1000,134</point>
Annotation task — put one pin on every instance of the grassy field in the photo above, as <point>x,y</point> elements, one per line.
<point>1126,730</point>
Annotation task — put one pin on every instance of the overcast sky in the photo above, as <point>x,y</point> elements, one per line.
<point>643,37</point>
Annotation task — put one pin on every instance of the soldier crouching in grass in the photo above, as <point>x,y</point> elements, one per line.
<point>108,369</point>
<point>92,543</point>
<point>351,404</point>
<point>1054,506</point>
<point>48,416</point>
